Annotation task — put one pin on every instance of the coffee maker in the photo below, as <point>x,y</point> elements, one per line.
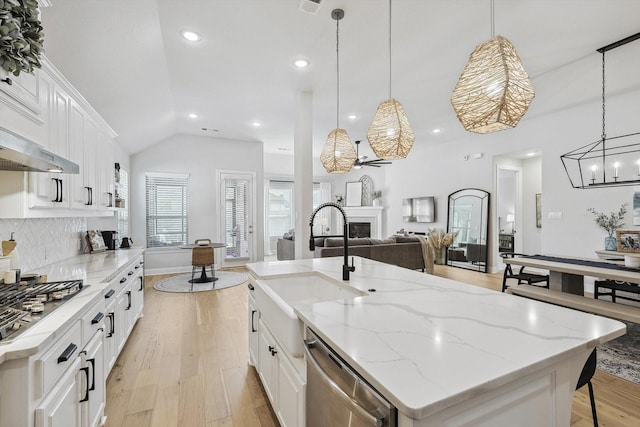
<point>110,239</point>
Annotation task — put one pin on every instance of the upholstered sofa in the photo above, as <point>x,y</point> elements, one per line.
<point>285,248</point>
<point>404,251</point>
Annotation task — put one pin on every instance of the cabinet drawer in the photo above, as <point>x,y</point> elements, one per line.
<point>51,364</point>
<point>92,321</point>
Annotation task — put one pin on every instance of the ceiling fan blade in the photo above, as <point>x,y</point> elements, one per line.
<point>377,161</point>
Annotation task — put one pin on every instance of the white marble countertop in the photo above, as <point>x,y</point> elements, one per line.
<point>96,270</point>
<point>427,343</point>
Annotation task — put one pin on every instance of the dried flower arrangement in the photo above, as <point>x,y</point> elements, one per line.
<point>610,223</point>
<point>439,239</point>
<point>21,36</point>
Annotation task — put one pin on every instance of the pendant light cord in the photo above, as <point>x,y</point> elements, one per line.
<point>389,49</point>
<point>338,73</point>
<point>604,134</point>
<point>493,21</point>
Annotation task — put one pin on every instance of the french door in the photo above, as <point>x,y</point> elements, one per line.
<point>237,217</point>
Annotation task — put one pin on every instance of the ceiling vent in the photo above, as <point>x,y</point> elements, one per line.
<point>309,6</point>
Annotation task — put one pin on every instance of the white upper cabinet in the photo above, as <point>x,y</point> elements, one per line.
<point>46,109</point>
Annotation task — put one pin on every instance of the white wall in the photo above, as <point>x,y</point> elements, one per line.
<point>531,185</point>
<point>201,158</point>
<point>440,169</point>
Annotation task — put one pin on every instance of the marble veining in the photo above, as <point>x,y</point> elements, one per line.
<point>96,270</point>
<point>427,342</point>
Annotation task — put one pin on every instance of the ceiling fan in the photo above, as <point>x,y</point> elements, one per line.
<point>362,160</point>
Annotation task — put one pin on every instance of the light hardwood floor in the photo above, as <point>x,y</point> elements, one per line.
<point>186,364</point>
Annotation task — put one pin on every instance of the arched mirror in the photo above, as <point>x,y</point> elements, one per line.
<point>469,218</point>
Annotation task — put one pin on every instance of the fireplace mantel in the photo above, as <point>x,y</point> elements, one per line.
<point>370,214</point>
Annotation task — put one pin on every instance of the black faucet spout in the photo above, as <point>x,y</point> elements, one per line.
<point>346,268</point>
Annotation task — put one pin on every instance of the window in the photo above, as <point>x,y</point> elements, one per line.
<point>166,209</point>
<point>280,210</point>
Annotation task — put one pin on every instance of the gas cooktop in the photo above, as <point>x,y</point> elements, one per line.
<point>22,306</point>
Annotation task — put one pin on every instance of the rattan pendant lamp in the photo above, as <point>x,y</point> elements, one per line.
<point>390,134</point>
<point>494,90</point>
<point>338,154</point>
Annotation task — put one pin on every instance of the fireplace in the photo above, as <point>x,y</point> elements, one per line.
<point>359,229</point>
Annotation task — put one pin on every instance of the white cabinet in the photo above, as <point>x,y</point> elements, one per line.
<point>94,398</point>
<point>284,386</point>
<point>61,408</point>
<point>105,169</point>
<point>252,323</point>
<point>82,150</point>
<point>51,190</point>
<point>24,105</point>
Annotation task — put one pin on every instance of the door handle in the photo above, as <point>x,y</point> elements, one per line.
<point>88,196</point>
<point>335,389</point>
<point>86,391</point>
<point>55,180</point>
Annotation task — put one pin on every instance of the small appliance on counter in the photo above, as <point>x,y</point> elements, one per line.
<point>110,239</point>
<point>126,242</point>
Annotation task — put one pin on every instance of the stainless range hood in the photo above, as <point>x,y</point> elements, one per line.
<point>21,155</point>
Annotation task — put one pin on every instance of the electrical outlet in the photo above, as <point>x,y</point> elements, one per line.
<point>555,215</point>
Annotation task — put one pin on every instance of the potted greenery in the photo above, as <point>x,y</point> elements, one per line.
<point>21,36</point>
<point>610,223</point>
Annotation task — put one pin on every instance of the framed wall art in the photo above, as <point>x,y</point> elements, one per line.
<point>628,240</point>
<point>354,194</point>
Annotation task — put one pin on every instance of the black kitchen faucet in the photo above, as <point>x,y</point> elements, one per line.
<point>346,268</point>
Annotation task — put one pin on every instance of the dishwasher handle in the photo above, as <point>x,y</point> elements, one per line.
<point>337,391</point>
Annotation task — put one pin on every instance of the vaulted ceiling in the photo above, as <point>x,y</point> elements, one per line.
<point>127,57</point>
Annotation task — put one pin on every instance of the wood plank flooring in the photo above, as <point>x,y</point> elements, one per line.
<point>186,364</point>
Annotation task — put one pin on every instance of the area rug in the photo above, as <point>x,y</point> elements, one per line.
<point>180,283</point>
<point>621,357</point>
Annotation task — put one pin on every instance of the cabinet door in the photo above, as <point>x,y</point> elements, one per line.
<point>110,339</point>
<point>252,324</point>
<point>62,406</point>
<point>106,172</point>
<point>47,190</point>
<point>268,363</point>
<point>78,193</point>
<point>95,389</point>
<point>291,397</point>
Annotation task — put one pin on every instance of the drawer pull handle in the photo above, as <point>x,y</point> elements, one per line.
<point>109,294</point>
<point>86,392</point>
<point>124,279</point>
<point>112,326</point>
<point>67,353</point>
<point>137,266</point>
<point>130,273</point>
<point>93,374</point>
<point>97,319</point>
<point>141,283</point>
<point>250,286</point>
<point>129,300</point>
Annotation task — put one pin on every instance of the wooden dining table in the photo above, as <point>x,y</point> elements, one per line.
<point>566,274</point>
<point>203,274</point>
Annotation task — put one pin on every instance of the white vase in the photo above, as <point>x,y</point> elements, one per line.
<point>376,202</point>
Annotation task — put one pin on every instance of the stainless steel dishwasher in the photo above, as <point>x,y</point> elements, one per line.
<point>336,395</point>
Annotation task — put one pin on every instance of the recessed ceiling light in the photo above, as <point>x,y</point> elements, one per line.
<point>191,36</point>
<point>301,63</point>
<point>193,115</point>
<point>256,124</point>
<point>531,153</point>
<point>352,116</point>
<point>436,130</point>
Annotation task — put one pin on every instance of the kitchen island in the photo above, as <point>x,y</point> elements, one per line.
<point>443,352</point>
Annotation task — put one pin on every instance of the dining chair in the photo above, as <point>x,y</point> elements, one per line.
<point>587,373</point>
<point>202,256</point>
<point>522,276</point>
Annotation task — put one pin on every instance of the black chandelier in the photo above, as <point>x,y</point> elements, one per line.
<point>609,161</point>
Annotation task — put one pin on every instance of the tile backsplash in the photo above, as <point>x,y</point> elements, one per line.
<point>44,241</point>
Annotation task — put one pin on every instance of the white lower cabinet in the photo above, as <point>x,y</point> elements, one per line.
<point>64,384</point>
<point>284,385</point>
<point>61,407</point>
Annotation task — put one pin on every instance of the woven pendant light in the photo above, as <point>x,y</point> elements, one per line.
<point>338,154</point>
<point>494,90</point>
<point>390,134</point>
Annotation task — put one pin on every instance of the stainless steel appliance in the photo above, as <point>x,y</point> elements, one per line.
<point>20,154</point>
<point>110,239</point>
<point>22,306</point>
<point>337,395</point>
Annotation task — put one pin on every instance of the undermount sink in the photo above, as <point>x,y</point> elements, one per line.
<point>276,298</point>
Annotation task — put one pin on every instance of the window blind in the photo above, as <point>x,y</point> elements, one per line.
<point>123,214</point>
<point>166,199</point>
